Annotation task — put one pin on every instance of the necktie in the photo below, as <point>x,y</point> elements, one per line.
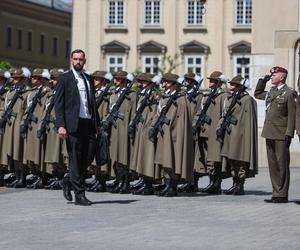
<point>87,92</point>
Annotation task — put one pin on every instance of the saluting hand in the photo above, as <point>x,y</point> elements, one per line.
<point>62,132</point>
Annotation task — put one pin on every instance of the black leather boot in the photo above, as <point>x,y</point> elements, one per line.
<point>147,188</point>
<point>211,182</point>
<point>215,188</point>
<point>9,178</point>
<point>81,200</point>
<point>239,190</point>
<point>138,184</point>
<point>172,191</point>
<point>125,189</point>
<point>190,187</point>
<point>22,179</point>
<point>120,181</point>
<point>231,189</point>
<point>66,187</point>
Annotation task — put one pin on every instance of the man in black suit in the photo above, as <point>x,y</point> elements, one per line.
<point>77,121</point>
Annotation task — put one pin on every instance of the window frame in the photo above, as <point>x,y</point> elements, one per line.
<point>55,46</point>
<point>115,24</point>
<point>42,43</point>
<point>195,15</point>
<point>20,42</point>
<point>236,65</point>
<point>152,24</point>
<point>152,56</point>
<point>194,56</point>
<point>116,65</point>
<point>244,16</point>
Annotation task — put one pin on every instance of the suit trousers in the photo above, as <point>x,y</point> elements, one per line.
<point>279,167</point>
<point>81,151</point>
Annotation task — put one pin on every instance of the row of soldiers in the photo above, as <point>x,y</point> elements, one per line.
<point>152,127</point>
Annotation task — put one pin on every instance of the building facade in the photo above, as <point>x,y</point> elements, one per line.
<point>136,35</point>
<point>245,37</point>
<point>35,33</point>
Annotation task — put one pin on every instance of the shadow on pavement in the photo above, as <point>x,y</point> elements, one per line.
<point>114,201</point>
<point>257,192</point>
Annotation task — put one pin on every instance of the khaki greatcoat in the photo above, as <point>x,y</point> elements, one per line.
<point>174,149</point>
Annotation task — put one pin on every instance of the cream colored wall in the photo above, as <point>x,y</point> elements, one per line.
<point>89,32</point>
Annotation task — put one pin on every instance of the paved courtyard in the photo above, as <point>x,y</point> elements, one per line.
<point>42,219</point>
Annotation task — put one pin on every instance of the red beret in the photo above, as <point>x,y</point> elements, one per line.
<point>278,69</point>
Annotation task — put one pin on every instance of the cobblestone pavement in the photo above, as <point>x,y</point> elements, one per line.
<point>42,219</point>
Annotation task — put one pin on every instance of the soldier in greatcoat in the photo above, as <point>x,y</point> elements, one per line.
<point>218,94</point>
<point>14,144</point>
<point>4,81</point>
<point>143,151</point>
<point>278,129</point>
<point>120,144</point>
<point>53,159</point>
<point>102,81</point>
<point>239,147</point>
<point>194,95</point>
<point>33,147</point>
<point>174,149</point>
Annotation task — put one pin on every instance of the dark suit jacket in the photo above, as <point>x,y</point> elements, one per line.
<point>67,102</point>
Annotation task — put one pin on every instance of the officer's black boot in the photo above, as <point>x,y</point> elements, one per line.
<point>16,179</point>
<point>231,189</point>
<point>125,189</point>
<point>216,185</point>
<point>239,190</point>
<point>2,173</point>
<point>80,199</point>
<point>22,178</point>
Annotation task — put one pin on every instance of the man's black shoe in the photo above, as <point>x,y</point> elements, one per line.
<point>277,200</point>
<point>82,201</point>
<point>66,187</point>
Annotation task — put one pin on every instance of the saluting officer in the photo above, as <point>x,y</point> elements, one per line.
<point>278,129</point>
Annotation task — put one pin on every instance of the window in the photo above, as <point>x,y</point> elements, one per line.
<point>29,41</point>
<point>242,65</point>
<point>151,64</point>
<point>115,63</point>
<point>243,12</point>
<point>152,12</point>
<point>55,43</point>
<point>194,12</point>
<point>9,37</point>
<point>42,43</point>
<point>20,39</point>
<point>68,49</point>
<point>194,64</point>
<point>116,12</point>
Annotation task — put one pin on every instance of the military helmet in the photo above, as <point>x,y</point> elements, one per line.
<point>20,72</point>
<point>195,77</point>
<point>240,80</point>
<point>44,73</point>
<point>170,77</point>
<point>103,74</point>
<point>56,72</point>
<point>147,77</point>
<point>217,75</point>
<point>124,75</point>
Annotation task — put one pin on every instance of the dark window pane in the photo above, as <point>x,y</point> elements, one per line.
<point>29,40</point>
<point>68,49</point>
<point>147,60</point>
<point>112,60</point>
<point>120,60</point>
<point>42,43</point>
<point>55,42</point>
<point>20,39</point>
<point>9,37</point>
